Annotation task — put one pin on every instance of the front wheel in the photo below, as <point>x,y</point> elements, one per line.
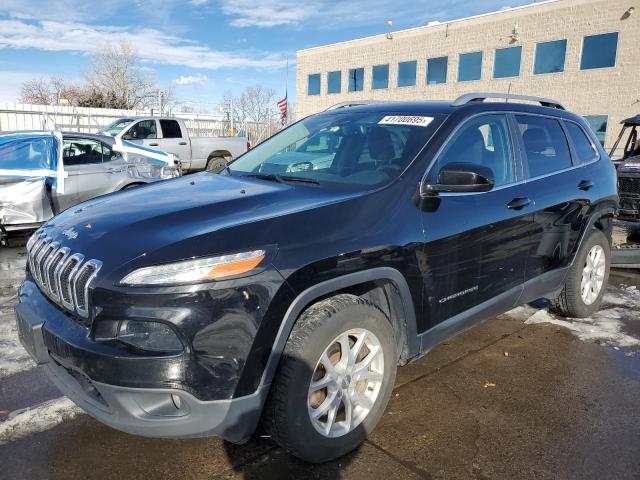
<point>587,278</point>
<point>334,381</point>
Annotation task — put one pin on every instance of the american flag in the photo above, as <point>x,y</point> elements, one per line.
<point>282,106</point>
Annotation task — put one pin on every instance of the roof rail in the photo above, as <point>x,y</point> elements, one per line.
<point>480,97</point>
<point>353,103</point>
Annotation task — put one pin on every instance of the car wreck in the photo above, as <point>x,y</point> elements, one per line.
<point>44,173</point>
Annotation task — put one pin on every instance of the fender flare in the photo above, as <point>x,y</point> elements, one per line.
<point>593,218</point>
<point>339,283</point>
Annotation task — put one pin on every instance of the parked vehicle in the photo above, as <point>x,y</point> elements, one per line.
<point>291,298</point>
<point>44,173</point>
<point>627,255</point>
<point>171,135</point>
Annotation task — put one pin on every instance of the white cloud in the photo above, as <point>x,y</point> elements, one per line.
<point>197,3</point>
<point>152,45</point>
<point>323,14</point>
<point>198,80</point>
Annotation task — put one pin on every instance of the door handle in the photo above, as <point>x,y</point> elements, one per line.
<point>182,143</point>
<point>153,144</point>
<point>519,203</point>
<point>585,185</point>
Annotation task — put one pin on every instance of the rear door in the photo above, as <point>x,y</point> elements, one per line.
<point>174,139</point>
<point>476,243</point>
<point>560,187</point>
<point>87,176</point>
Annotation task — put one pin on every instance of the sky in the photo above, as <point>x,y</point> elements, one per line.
<point>202,49</point>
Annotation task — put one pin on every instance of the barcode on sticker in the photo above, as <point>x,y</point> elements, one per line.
<point>416,121</point>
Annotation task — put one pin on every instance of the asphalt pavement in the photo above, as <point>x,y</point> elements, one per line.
<point>525,395</point>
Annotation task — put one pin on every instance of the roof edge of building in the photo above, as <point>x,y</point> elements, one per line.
<point>424,27</point>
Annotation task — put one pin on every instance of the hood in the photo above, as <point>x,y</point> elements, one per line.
<point>134,222</point>
<point>630,165</point>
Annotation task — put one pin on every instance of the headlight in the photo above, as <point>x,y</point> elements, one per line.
<point>198,270</point>
<point>151,336</point>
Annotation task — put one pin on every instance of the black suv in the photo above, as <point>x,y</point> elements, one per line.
<point>286,290</point>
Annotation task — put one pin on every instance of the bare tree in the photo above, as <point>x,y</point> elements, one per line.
<point>254,104</point>
<point>37,91</point>
<point>116,74</point>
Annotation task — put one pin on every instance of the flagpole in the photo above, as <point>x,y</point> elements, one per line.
<point>286,91</point>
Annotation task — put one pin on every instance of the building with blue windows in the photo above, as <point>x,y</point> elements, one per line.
<point>584,53</point>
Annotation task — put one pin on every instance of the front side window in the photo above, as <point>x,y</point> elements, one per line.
<point>581,144</point>
<point>437,70</point>
<point>356,79</point>
<point>313,85</point>
<point>545,145</point>
<point>170,129</point>
<point>142,130</point>
<point>599,51</point>
<point>407,74</point>
<point>470,66</point>
<point>482,141</point>
<point>598,124</point>
<point>507,62</point>
<point>550,57</point>
<point>380,76</point>
<point>340,149</point>
<point>80,151</point>
<point>334,82</point>
<point>114,128</point>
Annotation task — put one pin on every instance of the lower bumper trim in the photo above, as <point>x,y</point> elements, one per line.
<point>166,413</point>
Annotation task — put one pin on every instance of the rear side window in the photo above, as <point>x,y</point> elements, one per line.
<point>170,129</point>
<point>583,147</point>
<point>545,144</point>
<point>483,141</point>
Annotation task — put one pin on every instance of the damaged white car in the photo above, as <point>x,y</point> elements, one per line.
<point>43,173</point>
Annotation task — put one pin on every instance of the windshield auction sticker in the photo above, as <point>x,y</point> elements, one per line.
<point>416,121</point>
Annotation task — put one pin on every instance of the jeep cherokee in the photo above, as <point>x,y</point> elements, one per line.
<point>285,290</point>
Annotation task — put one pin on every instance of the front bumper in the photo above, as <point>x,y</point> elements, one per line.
<point>70,358</point>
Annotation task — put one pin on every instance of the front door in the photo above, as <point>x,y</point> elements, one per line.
<point>143,132</point>
<point>476,243</point>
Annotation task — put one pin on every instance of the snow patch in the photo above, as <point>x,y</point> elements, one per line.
<point>13,357</point>
<point>45,416</point>
<point>605,326</point>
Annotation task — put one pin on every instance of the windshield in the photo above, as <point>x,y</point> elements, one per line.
<point>114,128</point>
<point>342,149</point>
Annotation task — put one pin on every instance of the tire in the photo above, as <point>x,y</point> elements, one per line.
<point>571,302</point>
<point>132,185</point>
<point>216,164</point>
<point>287,414</point>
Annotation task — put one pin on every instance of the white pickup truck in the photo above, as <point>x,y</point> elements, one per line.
<point>171,135</point>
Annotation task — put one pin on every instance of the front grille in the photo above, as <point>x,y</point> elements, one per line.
<point>629,185</point>
<point>62,276</point>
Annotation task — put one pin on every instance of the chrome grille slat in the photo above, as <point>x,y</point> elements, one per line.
<point>62,276</point>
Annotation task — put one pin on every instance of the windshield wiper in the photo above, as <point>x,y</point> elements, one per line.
<point>282,178</point>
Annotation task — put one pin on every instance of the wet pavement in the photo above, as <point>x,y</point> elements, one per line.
<point>524,395</point>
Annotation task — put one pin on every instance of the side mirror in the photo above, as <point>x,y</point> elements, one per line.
<point>463,177</point>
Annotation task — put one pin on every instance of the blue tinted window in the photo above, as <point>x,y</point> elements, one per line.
<point>380,77</point>
<point>356,79</point>
<point>470,66</point>
<point>407,74</point>
<point>599,51</point>
<point>437,70</point>
<point>334,81</point>
<point>313,87</point>
<point>550,57</point>
<point>507,62</point>
<point>598,124</point>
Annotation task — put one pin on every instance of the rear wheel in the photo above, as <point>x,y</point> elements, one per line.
<point>334,380</point>
<point>587,278</point>
<point>216,164</point>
